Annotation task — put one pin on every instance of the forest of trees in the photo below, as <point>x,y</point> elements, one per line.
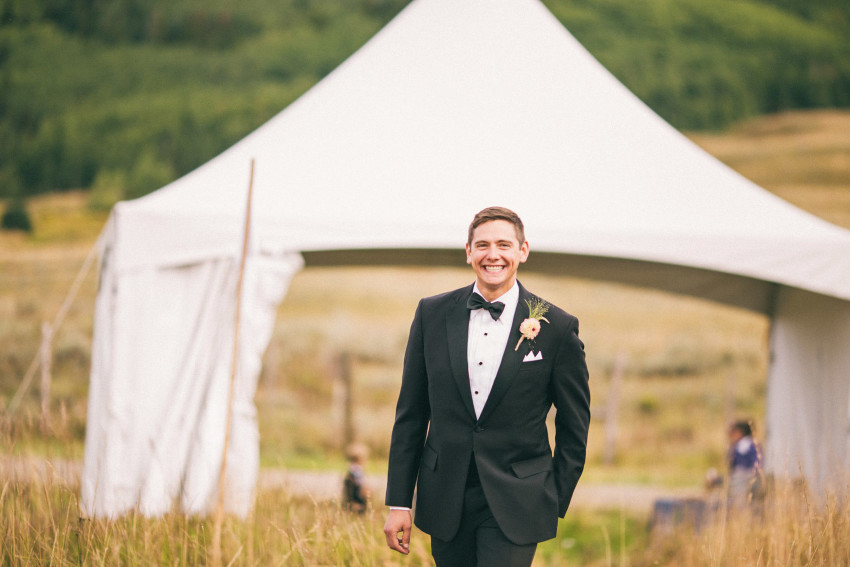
<point>123,96</point>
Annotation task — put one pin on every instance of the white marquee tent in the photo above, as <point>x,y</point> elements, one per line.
<point>455,105</point>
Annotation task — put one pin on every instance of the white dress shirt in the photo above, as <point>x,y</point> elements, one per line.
<point>486,345</point>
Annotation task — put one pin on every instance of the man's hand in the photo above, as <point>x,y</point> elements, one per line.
<point>398,522</point>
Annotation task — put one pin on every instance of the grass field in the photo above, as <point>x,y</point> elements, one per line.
<point>691,366</point>
<point>283,530</point>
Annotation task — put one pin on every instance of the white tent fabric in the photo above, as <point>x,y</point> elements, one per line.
<point>455,105</point>
<point>161,366</point>
<point>809,388</point>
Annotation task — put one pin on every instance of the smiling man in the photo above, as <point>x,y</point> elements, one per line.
<point>484,364</point>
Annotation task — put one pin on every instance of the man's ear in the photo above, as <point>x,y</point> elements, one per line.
<point>468,254</point>
<point>525,250</point>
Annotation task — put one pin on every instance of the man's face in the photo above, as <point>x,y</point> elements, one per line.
<point>495,254</point>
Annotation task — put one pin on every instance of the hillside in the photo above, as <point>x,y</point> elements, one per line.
<point>126,95</point>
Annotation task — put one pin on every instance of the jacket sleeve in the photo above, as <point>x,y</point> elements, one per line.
<point>571,395</point>
<point>412,415</point>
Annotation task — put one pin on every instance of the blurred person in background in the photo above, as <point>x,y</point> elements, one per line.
<point>355,493</point>
<point>746,484</point>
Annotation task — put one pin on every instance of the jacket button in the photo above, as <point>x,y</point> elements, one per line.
<point>478,429</point>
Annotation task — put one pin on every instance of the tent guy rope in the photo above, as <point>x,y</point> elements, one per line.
<point>54,327</point>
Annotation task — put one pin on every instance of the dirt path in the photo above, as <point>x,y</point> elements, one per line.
<point>327,485</point>
<point>323,485</point>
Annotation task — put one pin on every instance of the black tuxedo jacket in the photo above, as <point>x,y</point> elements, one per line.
<point>436,432</point>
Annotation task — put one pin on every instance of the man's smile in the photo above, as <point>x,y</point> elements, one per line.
<point>495,253</point>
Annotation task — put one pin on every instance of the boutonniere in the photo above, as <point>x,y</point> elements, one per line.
<point>530,327</point>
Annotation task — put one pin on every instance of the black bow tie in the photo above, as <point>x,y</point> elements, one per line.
<point>477,302</point>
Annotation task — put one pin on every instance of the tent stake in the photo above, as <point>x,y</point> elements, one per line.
<point>219,510</point>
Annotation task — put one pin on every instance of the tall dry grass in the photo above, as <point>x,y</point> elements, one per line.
<point>42,526</point>
<point>791,529</point>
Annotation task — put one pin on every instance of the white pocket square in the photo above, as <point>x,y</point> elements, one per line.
<point>531,356</point>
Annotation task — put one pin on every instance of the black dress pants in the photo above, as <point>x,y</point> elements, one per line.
<point>479,541</point>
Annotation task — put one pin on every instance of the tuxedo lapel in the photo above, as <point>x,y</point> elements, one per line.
<point>511,359</point>
<point>457,333</point>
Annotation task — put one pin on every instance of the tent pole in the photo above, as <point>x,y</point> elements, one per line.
<point>219,510</point>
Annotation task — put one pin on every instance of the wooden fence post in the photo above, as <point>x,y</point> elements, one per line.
<point>46,360</point>
<point>612,408</point>
<point>731,382</point>
<point>342,399</point>
<point>345,368</point>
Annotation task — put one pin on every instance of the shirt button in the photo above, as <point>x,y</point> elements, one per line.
<point>480,363</point>
<point>476,392</point>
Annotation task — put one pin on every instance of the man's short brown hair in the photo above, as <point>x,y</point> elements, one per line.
<point>497,213</point>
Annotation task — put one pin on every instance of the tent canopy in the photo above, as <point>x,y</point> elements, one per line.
<point>452,107</point>
<point>458,105</point>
